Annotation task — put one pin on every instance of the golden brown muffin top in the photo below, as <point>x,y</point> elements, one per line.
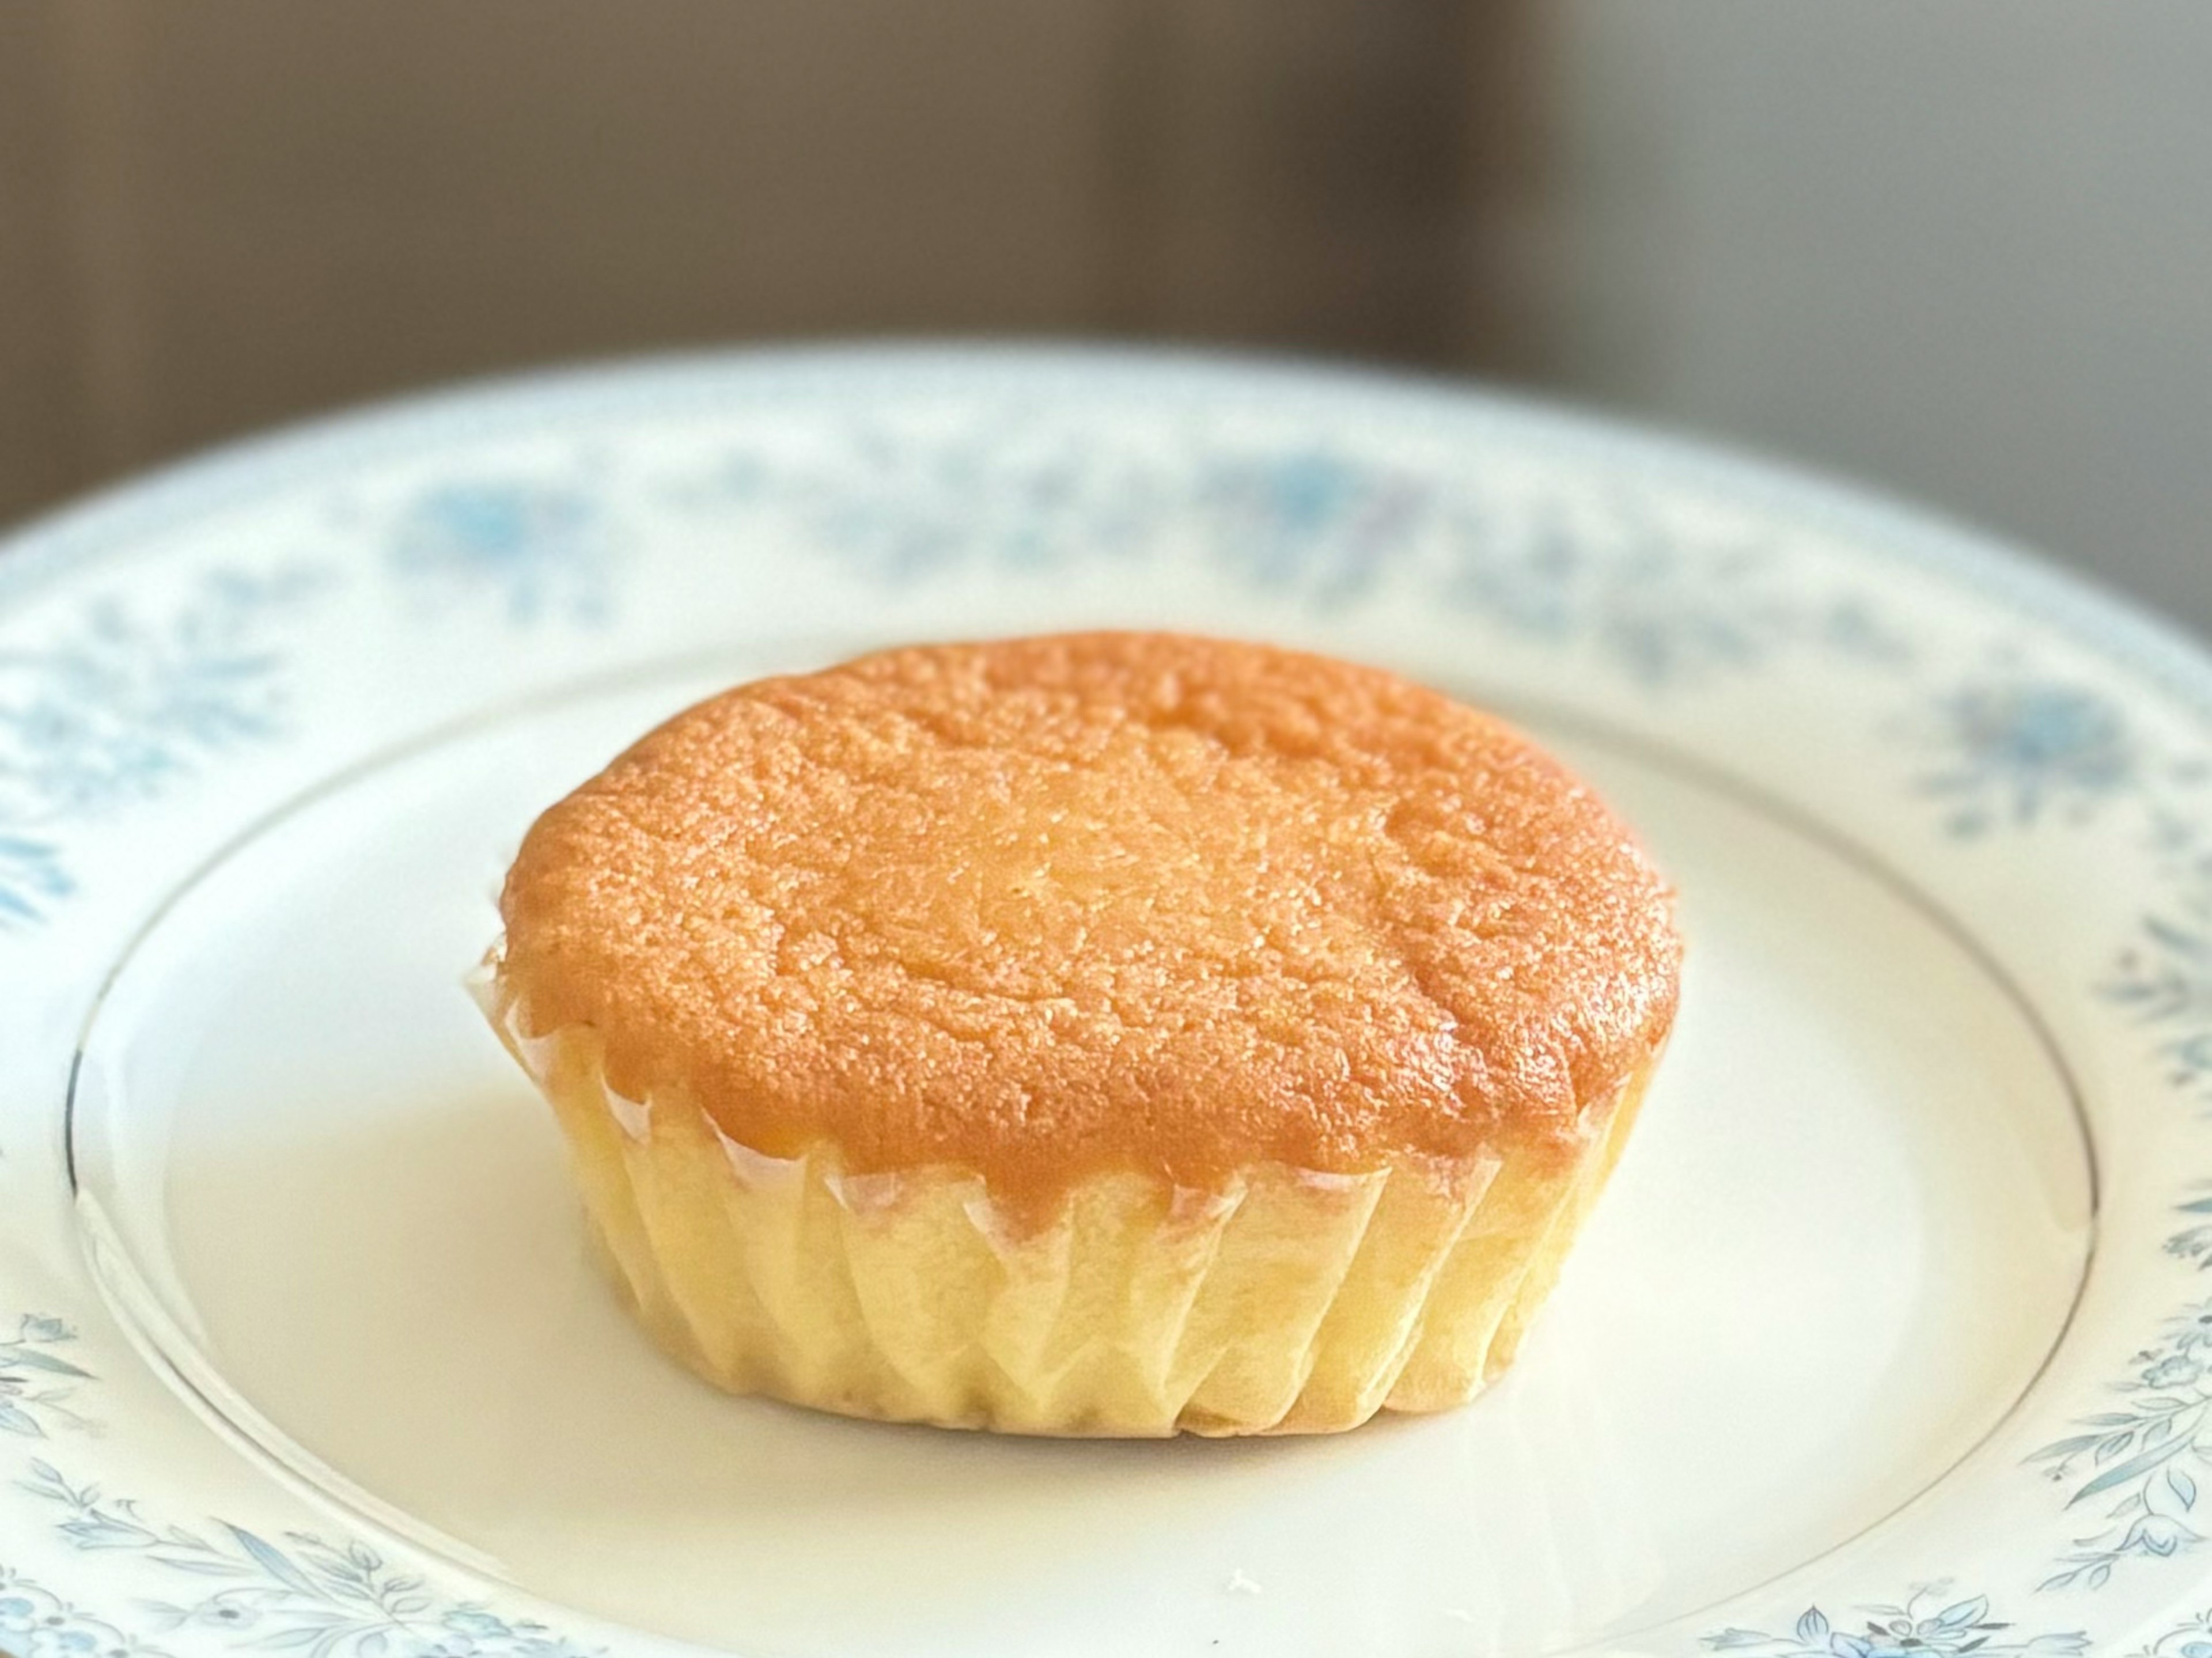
<point>1049,907</point>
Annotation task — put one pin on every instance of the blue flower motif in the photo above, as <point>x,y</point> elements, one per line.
<point>35,1381</point>
<point>2141,1462</point>
<point>1316,519</point>
<point>1013,493</point>
<point>36,1623</point>
<point>1655,608</point>
<point>2158,1535</point>
<point>2163,979</point>
<point>2021,752</point>
<point>122,710</point>
<point>541,549</point>
<point>31,876</point>
<point>2193,1242</point>
<point>1313,520</point>
<point>2190,1639</point>
<point>1663,607</point>
<point>297,1592</point>
<point>57,1641</point>
<point>2175,1370</point>
<point>1927,1625</point>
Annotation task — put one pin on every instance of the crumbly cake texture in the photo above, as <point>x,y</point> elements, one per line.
<point>1111,1033</point>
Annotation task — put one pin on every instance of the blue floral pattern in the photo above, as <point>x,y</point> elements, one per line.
<point>300,1594</point>
<point>32,878</point>
<point>1928,1624</point>
<point>2193,1242</point>
<point>2163,977</point>
<point>1661,607</point>
<point>2192,1639</point>
<point>1321,523</point>
<point>2137,1468</point>
<point>124,708</point>
<point>2021,752</point>
<point>36,1623</point>
<point>537,550</point>
<point>2140,1467</point>
<point>1310,520</point>
<point>36,1381</point>
<point>1008,491</point>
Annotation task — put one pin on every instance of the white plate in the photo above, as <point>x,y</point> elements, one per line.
<point>1890,1338</point>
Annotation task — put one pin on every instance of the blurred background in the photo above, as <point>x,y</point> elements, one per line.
<point>1963,250</point>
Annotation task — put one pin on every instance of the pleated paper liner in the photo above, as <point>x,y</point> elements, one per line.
<point>1288,1301</point>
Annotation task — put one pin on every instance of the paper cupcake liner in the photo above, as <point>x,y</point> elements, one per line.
<point>1287,1301</point>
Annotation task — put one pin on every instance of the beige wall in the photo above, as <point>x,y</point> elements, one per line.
<point>217,215</point>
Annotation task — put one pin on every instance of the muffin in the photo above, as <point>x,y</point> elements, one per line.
<point>1113,1033</point>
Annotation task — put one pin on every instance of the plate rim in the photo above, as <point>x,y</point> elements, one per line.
<point>74,534</point>
<point>46,553</point>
